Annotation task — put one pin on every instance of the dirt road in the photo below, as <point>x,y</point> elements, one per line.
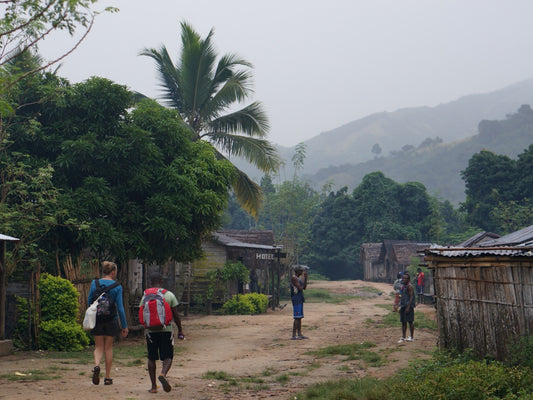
<point>237,357</point>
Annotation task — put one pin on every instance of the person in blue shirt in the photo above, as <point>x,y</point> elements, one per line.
<point>106,329</point>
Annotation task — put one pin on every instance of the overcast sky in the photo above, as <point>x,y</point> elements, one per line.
<point>322,64</point>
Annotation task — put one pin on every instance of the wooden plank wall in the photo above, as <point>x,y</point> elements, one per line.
<point>483,303</point>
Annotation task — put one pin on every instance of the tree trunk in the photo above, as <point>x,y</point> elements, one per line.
<point>3,288</point>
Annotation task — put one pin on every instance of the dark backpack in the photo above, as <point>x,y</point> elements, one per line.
<point>107,307</point>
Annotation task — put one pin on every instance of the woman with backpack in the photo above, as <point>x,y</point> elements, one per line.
<point>109,295</point>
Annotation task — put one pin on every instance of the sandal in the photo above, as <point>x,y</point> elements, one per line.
<point>164,382</point>
<point>96,375</point>
<point>108,381</point>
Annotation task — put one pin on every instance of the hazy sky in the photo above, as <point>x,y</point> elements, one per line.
<point>322,64</point>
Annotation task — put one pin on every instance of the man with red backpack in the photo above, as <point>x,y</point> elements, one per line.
<point>153,314</point>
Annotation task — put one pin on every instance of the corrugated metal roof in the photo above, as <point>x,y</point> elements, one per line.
<point>519,237</point>
<point>481,237</point>
<point>5,237</point>
<point>232,242</point>
<point>518,251</point>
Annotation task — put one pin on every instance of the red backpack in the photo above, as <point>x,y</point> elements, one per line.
<point>155,312</point>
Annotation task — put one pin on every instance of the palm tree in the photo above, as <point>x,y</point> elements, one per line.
<point>203,90</point>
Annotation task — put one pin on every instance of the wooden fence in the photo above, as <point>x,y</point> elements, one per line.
<point>483,303</point>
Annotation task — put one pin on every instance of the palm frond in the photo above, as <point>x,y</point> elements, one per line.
<point>247,193</point>
<point>251,121</point>
<point>168,76</point>
<point>236,88</point>
<point>258,152</point>
<point>197,66</point>
<point>226,68</point>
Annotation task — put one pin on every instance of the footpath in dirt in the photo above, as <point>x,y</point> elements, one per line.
<point>237,357</point>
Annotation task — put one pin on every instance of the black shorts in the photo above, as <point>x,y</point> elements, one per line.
<point>109,328</point>
<point>407,317</point>
<point>159,345</point>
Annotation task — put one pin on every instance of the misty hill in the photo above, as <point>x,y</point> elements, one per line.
<point>345,153</point>
<point>438,165</point>
<point>352,143</point>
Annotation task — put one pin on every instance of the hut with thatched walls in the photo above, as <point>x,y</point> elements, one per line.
<point>394,256</point>
<point>484,294</point>
<point>369,259</point>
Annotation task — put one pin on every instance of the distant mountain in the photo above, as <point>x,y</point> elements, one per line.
<point>438,165</point>
<point>352,144</point>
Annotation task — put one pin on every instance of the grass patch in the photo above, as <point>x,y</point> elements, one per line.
<point>352,351</point>
<point>393,319</point>
<point>346,389</point>
<point>31,375</point>
<point>323,296</point>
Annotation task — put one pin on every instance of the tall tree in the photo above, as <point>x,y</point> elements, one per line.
<point>25,23</point>
<point>203,91</point>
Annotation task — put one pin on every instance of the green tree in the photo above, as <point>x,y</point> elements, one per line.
<point>149,191</point>
<point>203,91</point>
<point>489,180</point>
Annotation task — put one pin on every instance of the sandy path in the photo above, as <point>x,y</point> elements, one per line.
<point>253,350</point>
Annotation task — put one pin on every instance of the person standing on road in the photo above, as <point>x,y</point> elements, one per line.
<point>420,280</point>
<point>298,285</point>
<point>160,342</point>
<point>407,311</point>
<point>107,327</point>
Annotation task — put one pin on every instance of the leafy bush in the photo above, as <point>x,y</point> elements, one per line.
<point>245,304</point>
<point>59,299</point>
<point>473,379</point>
<point>442,377</point>
<point>260,301</point>
<point>62,336</point>
<point>59,329</point>
<point>521,352</point>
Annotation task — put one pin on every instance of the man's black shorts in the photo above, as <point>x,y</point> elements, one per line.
<point>159,345</point>
<point>407,317</point>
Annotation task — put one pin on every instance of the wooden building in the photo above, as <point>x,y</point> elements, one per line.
<point>383,261</point>
<point>255,249</point>
<point>484,294</point>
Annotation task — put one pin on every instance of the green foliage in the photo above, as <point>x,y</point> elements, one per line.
<point>461,380</point>
<point>21,337</point>
<point>24,24</point>
<point>62,336</point>
<point>231,271</point>
<point>59,329</point>
<point>259,300</point>
<point>521,351</point>
<point>442,377</point>
<point>204,92</point>
<point>353,351</point>
<point>245,304</point>
<point>234,271</point>
<point>58,299</point>
<point>346,389</point>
